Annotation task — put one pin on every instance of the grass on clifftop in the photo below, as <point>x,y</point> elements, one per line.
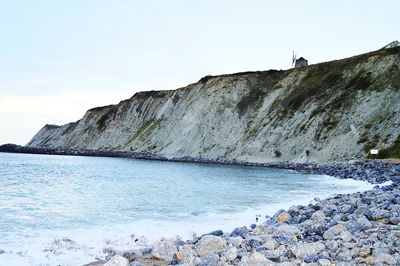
<point>327,82</point>
<point>391,152</point>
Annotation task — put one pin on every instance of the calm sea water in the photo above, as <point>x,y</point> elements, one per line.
<point>66,209</point>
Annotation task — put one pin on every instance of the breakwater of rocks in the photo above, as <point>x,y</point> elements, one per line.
<point>13,148</point>
<point>348,229</point>
<point>370,170</point>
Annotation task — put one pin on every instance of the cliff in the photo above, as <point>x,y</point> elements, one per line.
<point>333,111</point>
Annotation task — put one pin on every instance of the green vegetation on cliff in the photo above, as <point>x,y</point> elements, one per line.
<point>392,151</point>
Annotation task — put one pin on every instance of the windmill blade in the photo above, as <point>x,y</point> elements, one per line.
<point>294,58</point>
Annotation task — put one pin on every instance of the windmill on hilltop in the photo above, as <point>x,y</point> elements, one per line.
<point>298,62</point>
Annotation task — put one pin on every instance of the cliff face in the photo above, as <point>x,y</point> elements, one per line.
<point>332,111</point>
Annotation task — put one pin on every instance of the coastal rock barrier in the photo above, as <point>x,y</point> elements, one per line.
<point>348,229</point>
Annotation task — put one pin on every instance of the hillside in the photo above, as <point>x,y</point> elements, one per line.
<point>333,111</point>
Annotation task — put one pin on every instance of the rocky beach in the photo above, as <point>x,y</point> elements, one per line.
<point>320,119</point>
<point>348,229</point>
<point>195,133</point>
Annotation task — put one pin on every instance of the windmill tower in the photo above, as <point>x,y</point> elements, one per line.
<point>298,62</point>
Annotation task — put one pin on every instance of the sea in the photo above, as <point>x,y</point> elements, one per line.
<point>72,210</point>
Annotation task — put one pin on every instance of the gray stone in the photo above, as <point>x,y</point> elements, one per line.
<point>288,230</point>
<point>380,249</point>
<point>302,250</point>
<point>239,231</point>
<point>345,209</point>
<point>380,214</point>
<point>164,249</point>
<point>210,244</point>
<point>186,254</point>
<point>334,231</point>
<point>117,260</point>
<point>236,241</point>
<point>256,259</point>
<point>283,217</point>
<point>318,215</point>
<point>261,229</point>
<point>274,254</point>
<point>210,259</point>
<point>331,210</point>
<point>270,244</point>
<point>343,263</point>
<point>395,233</point>
<point>136,263</point>
<point>363,223</point>
<point>287,263</point>
<point>345,255</point>
<point>385,258</point>
<point>231,253</point>
<point>346,236</point>
<point>324,262</point>
<point>395,220</point>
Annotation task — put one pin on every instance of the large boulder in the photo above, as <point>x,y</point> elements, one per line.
<point>210,244</point>
<point>164,249</point>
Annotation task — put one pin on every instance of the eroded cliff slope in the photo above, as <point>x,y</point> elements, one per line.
<point>332,111</point>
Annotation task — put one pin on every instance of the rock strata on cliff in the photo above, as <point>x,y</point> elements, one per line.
<point>332,111</point>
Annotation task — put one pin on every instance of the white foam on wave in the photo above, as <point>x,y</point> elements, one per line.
<point>387,183</point>
<point>77,247</point>
<point>346,185</point>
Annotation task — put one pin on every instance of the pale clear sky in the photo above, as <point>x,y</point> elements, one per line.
<point>60,58</point>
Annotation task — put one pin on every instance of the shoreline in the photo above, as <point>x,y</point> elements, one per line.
<point>361,228</point>
<point>334,169</point>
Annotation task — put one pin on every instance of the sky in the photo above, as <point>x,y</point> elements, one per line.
<point>61,58</point>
